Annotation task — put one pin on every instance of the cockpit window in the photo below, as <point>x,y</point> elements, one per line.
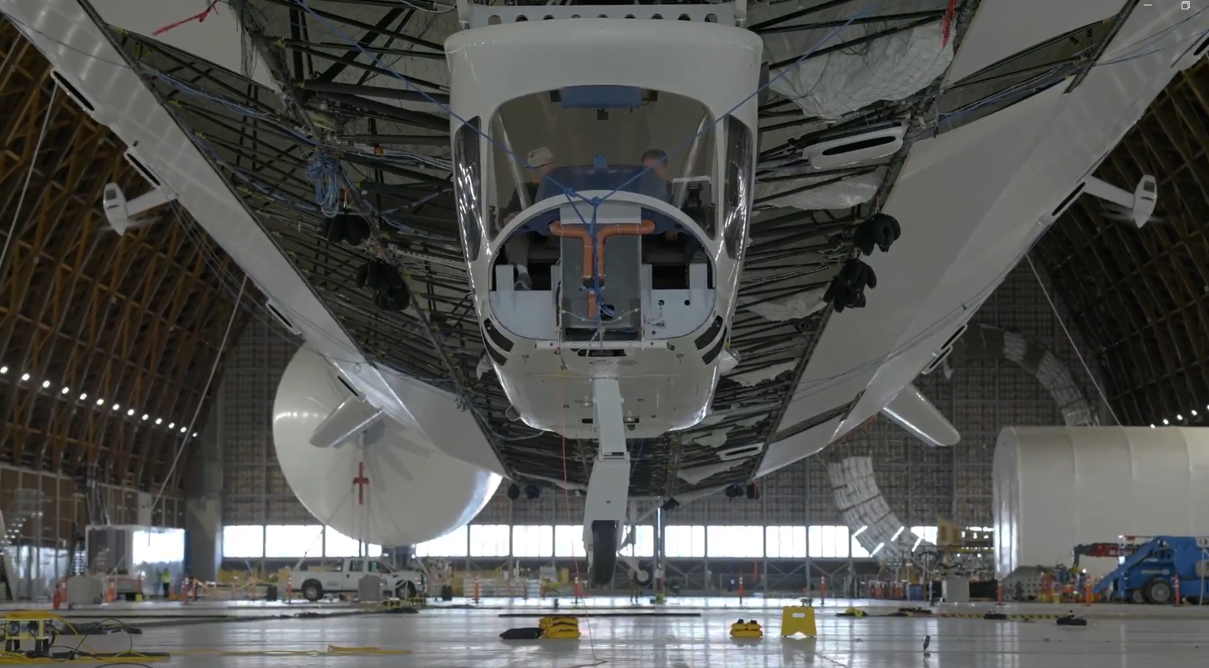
<point>595,140</point>
<point>740,179</point>
<point>468,187</point>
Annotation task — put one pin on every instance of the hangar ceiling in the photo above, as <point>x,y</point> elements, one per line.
<point>1141,296</point>
<point>107,341</point>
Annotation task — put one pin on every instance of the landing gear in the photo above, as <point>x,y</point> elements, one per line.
<point>609,484</point>
<point>604,552</point>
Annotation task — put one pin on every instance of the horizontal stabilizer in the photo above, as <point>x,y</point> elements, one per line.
<point>912,411</point>
<point>353,416</point>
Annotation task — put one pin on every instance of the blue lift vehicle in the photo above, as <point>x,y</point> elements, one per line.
<point>1151,572</point>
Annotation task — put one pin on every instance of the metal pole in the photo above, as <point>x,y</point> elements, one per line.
<point>514,168</point>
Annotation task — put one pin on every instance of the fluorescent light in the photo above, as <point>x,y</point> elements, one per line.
<point>1194,411</point>
<point>877,549</point>
<point>1152,426</point>
<point>172,425</point>
<point>194,434</point>
<point>184,429</point>
<point>1179,417</point>
<point>146,417</point>
<point>3,369</point>
<point>916,545</point>
<point>116,407</point>
<point>158,421</point>
<point>63,391</point>
<point>860,531</point>
<point>897,534</point>
<point>100,401</point>
<point>45,384</point>
<point>1165,422</point>
<point>130,412</point>
<point>83,396</point>
<point>25,376</point>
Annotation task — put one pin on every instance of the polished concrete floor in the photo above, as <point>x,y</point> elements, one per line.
<point>1146,637</point>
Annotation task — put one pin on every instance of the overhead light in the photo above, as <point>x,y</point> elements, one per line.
<point>916,545</point>
<point>83,396</point>
<point>860,531</point>
<point>116,407</point>
<point>158,421</point>
<point>100,401</point>
<point>1179,417</point>
<point>184,429</point>
<point>25,376</point>
<point>3,369</point>
<point>1152,426</point>
<point>877,549</point>
<point>194,434</point>
<point>1194,411</point>
<point>130,412</point>
<point>63,391</point>
<point>1165,421</point>
<point>146,417</point>
<point>172,425</point>
<point>45,384</point>
<point>897,534</point>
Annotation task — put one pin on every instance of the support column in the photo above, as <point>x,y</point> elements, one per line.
<point>203,503</point>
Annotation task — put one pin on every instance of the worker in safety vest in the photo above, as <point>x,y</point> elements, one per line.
<point>166,582</point>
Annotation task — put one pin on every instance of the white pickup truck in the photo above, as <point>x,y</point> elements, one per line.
<point>344,576</point>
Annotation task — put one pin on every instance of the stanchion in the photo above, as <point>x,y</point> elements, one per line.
<point>476,589</point>
<point>823,589</point>
<point>999,593</point>
<point>1087,592</point>
<point>110,592</point>
<point>740,590</point>
<point>575,591</point>
<point>1175,585</point>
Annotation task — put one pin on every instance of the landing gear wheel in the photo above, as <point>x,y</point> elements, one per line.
<point>312,590</point>
<point>1136,596</point>
<point>1158,592</point>
<point>604,552</point>
<point>406,590</point>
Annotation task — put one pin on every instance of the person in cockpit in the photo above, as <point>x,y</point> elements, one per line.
<point>656,160</point>
<point>516,250</point>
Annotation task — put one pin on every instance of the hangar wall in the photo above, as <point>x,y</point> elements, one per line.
<point>920,483</point>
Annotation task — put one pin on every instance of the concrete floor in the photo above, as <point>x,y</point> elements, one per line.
<point>1132,636</point>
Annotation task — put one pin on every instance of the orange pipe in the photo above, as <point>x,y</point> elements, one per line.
<point>603,232</point>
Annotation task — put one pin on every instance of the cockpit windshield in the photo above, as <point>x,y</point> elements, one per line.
<point>601,138</point>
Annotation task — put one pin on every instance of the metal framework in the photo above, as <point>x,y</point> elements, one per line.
<point>1139,296</point>
<point>106,340</point>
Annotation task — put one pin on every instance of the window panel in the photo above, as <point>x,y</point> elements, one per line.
<point>735,542</point>
<point>928,533</point>
<point>569,540</point>
<point>452,544</point>
<point>644,542</point>
<point>283,541</point>
<point>829,541</point>
<point>243,541</point>
<point>685,541</point>
<point>158,546</point>
<point>531,540</point>
<point>786,542</point>
<point>858,550</point>
<point>336,544</point>
<point>489,540</point>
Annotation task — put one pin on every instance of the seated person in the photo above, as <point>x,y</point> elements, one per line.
<point>516,250</point>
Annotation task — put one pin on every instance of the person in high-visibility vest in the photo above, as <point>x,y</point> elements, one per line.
<point>166,582</point>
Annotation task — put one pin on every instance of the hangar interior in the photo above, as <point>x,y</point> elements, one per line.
<point>152,366</point>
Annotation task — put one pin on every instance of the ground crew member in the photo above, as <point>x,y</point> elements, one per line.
<point>166,582</point>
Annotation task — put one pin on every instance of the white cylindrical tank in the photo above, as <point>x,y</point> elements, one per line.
<point>1057,487</point>
<point>390,491</point>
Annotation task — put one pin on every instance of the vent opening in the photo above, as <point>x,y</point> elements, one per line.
<point>1074,194</point>
<point>280,317</point>
<point>73,92</point>
<point>860,145</point>
<point>347,385</point>
<point>142,169</point>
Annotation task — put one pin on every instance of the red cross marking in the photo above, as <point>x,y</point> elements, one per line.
<point>361,481</point>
